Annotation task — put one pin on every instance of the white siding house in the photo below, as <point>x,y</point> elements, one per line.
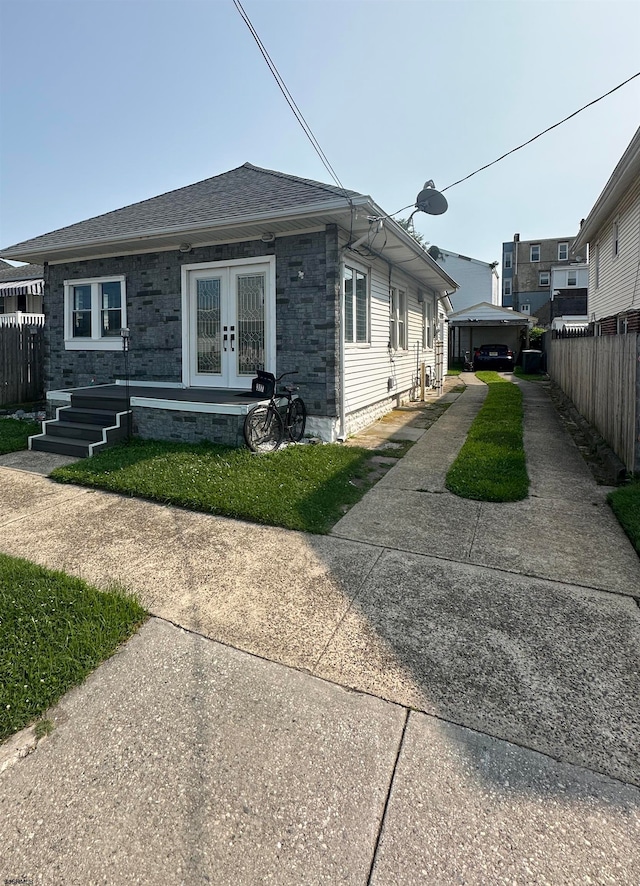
<point>477,280</point>
<point>406,321</point>
<point>612,233</point>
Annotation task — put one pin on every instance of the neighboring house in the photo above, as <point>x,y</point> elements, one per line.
<point>21,291</point>
<point>600,373</point>
<point>611,232</point>
<point>485,324</point>
<point>247,270</point>
<point>526,271</point>
<point>569,287</point>
<point>477,280</point>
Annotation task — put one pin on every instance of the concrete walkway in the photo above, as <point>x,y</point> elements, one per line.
<point>440,692</point>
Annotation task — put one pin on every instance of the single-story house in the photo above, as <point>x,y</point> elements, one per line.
<point>21,291</point>
<point>485,324</point>
<point>171,305</point>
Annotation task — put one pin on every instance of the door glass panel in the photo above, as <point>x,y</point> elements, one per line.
<point>250,337</point>
<point>208,326</point>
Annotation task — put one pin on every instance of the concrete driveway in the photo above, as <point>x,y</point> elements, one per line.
<point>441,691</point>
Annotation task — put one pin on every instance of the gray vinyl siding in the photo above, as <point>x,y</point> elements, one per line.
<point>619,282</point>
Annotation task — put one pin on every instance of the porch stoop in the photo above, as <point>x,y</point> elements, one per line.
<point>92,423</point>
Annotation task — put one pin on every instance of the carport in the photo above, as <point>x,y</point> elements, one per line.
<point>484,324</point>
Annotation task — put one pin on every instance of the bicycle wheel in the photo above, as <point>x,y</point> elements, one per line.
<point>263,429</point>
<point>297,419</point>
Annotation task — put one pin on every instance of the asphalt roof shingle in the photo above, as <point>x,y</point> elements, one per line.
<point>26,272</point>
<point>238,194</point>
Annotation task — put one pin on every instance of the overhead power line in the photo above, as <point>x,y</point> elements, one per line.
<point>524,144</point>
<point>290,100</point>
<point>544,131</point>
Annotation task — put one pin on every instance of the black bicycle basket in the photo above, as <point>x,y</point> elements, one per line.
<point>264,384</point>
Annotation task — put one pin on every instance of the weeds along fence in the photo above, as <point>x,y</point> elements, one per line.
<point>21,364</point>
<point>601,375</point>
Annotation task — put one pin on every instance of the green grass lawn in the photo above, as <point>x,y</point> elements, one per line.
<point>491,465</point>
<point>625,503</point>
<point>54,630</point>
<point>299,487</point>
<point>15,433</point>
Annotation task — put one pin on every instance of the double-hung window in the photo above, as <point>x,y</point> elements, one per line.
<point>534,254</point>
<point>427,323</point>
<point>506,287</point>
<point>543,278</point>
<point>563,251</point>
<point>94,313</point>
<point>398,319</point>
<point>507,260</point>
<point>572,278</point>
<point>356,306</point>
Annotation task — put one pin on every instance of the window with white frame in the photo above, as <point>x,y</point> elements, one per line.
<point>534,252</point>
<point>506,287</point>
<point>427,323</point>
<point>563,251</point>
<point>572,278</point>
<point>508,257</point>
<point>616,239</point>
<point>356,306</point>
<point>543,278</point>
<point>94,313</point>
<point>398,319</point>
<point>623,325</point>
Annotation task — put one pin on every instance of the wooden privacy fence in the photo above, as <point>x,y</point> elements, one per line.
<point>21,375</point>
<point>601,376</point>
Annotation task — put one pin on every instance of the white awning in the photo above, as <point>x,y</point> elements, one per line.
<point>22,287</point>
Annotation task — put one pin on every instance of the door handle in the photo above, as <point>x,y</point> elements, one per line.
<point>224,339</point>
<point>233,337</point>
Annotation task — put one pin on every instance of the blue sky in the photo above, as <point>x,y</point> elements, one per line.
<point>106,102</point>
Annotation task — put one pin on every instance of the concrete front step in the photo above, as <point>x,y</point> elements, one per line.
<point>90,423</point>
<point>88,415</point>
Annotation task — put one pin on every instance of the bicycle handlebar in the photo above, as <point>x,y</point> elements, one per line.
<point>291,372</point>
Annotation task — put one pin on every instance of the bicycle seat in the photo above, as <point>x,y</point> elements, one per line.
<point>291,388</point>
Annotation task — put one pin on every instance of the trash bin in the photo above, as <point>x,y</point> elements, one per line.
<point>531,361</point>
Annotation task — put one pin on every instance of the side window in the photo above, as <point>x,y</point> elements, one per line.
<point>356,305</point>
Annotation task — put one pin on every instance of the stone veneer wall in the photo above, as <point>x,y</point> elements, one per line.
<point>187,427</point>
<point>307,314</point>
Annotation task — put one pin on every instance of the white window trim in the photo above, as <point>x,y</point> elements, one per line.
<point>540,275</point>
<point>428,322</point>
<point>566,250</point>
<point>508,260</point>
<point>363,269</point>
<point>96,342</point>
<point>531,248</point>
<point>575,281</point>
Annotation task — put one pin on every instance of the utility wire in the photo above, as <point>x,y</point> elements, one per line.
<point>544,131</point>
<point>290,100</point>
<point>524,144</point>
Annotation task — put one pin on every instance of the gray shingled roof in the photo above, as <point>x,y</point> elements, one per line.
<point>238,195</point>
<point>25,272</point>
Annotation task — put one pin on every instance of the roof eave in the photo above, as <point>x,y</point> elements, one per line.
<point>626,170</point>
<point>47,253</point>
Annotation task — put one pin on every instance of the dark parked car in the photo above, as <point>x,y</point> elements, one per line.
<point>493,357</point>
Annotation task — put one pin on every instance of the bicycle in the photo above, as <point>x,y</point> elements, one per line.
<point>265,425</point>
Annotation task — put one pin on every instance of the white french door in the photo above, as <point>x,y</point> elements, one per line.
<point>227,322</point>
